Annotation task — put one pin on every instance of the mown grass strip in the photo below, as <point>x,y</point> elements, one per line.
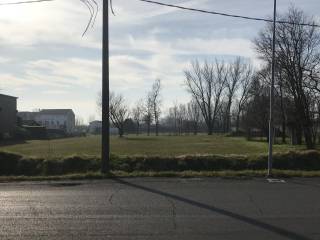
<point>246,174</point>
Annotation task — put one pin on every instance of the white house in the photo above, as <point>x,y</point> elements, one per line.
<point>63,119</point>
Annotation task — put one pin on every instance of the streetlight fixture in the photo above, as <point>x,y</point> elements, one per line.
<point>271,125</point>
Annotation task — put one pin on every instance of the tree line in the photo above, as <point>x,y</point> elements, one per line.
<point>233,96</point>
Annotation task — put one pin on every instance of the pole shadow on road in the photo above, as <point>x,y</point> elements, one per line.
<point>266,226</point>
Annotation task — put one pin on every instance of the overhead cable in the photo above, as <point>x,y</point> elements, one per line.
<point>225,14</point>
<point>25,2</point>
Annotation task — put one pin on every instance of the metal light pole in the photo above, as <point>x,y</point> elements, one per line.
<point>271,127</point>
<point>105,153</point>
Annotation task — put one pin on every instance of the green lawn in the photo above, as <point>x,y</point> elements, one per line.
<point>138,145</point>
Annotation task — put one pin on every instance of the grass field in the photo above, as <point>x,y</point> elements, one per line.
<point>144,145</point>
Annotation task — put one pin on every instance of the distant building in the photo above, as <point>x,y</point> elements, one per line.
<point>52,119</point>
<point>8,114</point>
<point>95,127</point>
<point>63,119</point>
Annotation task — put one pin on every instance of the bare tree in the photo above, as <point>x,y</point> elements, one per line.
<point>148,115</point>
<point>137,113</point>
<point>243,91</point>
<point>194,113</point>
<point>237,71</point>
<point>181,118</point>
<point>298,59</point>
<point>256,112</point>
<point>155,102</point>
<point>206,84</point>
<point>173,117</point>
<point>119,111</point>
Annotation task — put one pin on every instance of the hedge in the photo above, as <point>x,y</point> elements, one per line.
<point>14,164</point>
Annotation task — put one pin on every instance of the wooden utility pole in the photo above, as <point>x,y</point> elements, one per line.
<point>105,151</point>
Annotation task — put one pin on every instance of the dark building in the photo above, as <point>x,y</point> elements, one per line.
<point>8,114</point>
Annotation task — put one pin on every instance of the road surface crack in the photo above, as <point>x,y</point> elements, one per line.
<point>112,196</point>
<point>173,213</point>
<point>255,204</point>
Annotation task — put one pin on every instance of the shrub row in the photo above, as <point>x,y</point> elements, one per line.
<point>180,163</point>
<point>294,160</point>
<point>13,164</point>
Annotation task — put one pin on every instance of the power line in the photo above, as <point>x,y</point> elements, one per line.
<point>92,20</point>
<point>25,2</point>
<point>92,6</point>
<point>226,14</point>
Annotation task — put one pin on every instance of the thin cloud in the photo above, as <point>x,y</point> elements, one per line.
<point>146,42</point>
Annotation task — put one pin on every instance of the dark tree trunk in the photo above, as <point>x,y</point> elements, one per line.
<point>283,131</point>
<point>210,130</point>
<point>227,120</point>
<point>266,132</point>
<point>148,129</point>
<point>307,129</point>
<point>138,128</point>
<point>121,132</point>
<point>308,136</point>
<point>293,136</point>
<point>175,127</point>
<point>248,134</point>
<point>195,128</point>
<point>299,136</point>
<point>157,128</point>
<point>238,122</point>
<point>298,126</point>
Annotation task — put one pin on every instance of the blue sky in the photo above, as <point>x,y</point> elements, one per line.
<point>48,64</point>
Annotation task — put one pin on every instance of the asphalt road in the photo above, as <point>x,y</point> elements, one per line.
<point>161,209</point>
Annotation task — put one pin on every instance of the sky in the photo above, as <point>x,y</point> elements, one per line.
<point>46,63</point>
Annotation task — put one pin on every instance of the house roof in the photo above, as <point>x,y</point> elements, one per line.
<point>3,95</point>
<point>56,111</point>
